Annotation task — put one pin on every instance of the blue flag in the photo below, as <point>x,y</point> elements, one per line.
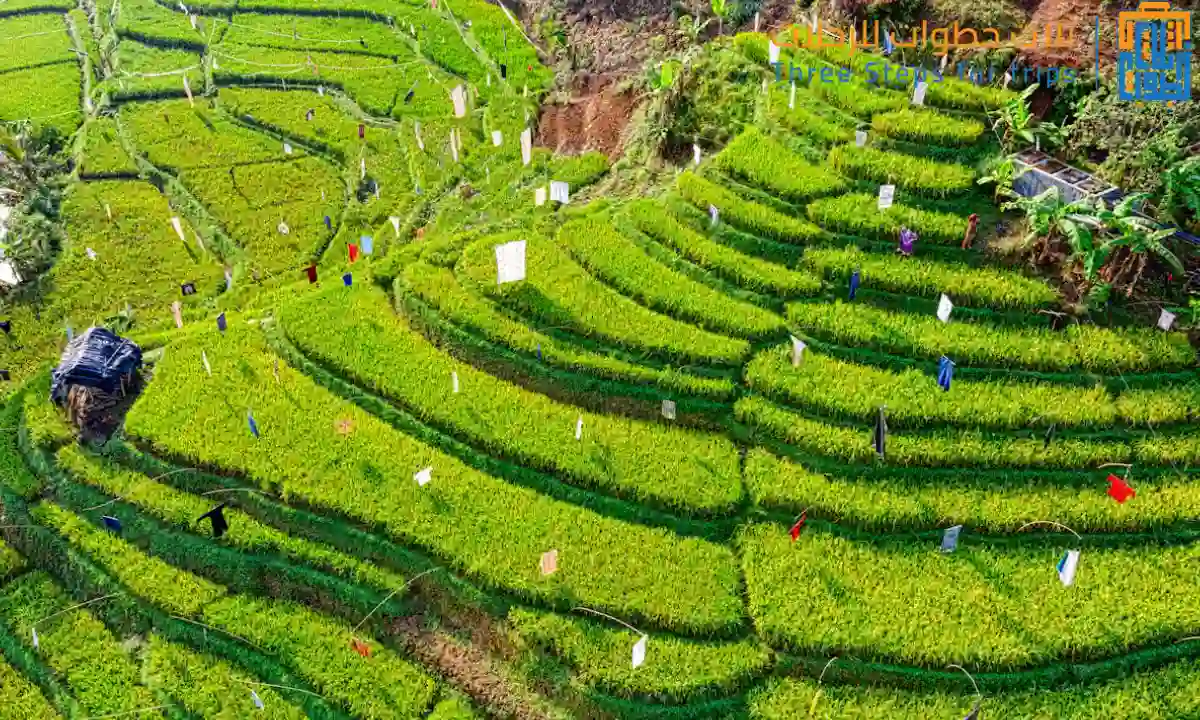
<point>258,703</point>
<point>854,276</point>
<point>347,279</point>
<point>112,523</point>
<point>221,322</point>
<point>945,372</point>
<point>368,244</point>
<point>253,425</point>
<point>539,349</point>
<point>328,222</point>
<point>888,47</point>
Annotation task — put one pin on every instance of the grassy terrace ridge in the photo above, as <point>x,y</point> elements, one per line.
<point>387,687</point>
<point>1171,692</point>
<point>613,258</point>
<point>923,502</point>
<point>18,695</point>
<point>924,126</point>
<point>914,399</point>
<point>559,293</point>
<point>656,221</point>
<point>225,166</point>
<point>354,332</point>
<point>859,214</point>
<point>949,448</point>
<point>441,290</point>
<point>75,646</point>
<point>498,532</point>
<point>181,510</point>
<point>997,608</point>
<point>983,287</point>
<point>1078,348</point>
<point>765,163</point>
<point>677,670</point>
<point>201,684</point>
<point>745,214</point>
<point>918,175</point>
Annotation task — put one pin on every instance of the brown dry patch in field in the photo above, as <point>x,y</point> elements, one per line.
<point>594,118</point>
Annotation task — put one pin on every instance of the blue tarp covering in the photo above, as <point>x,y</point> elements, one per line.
<point>96,358</point>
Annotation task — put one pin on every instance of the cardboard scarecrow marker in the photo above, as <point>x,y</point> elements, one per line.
<point>972,228</point>
<point>510,262</point>
<point>950,539</point>
<point>887,194</point>
<point>549,562</point>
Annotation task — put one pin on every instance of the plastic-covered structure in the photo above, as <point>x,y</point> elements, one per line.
<point>95,359</point>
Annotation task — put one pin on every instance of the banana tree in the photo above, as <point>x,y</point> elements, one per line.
<point>1132,239</point>
<point>1016,126</point>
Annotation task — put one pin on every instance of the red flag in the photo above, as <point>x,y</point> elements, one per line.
<point>362,131</point>
<point>360,647</point>
<point>1119,490</point>
<point>312,273</point>
<point>798,526</point>
<point>353,252</point>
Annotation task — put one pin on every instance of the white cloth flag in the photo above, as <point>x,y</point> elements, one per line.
<point>178,228</point>
<point>539,196</point>
<point>395,224</point>
<point>204,359</point>
<point>860,138</point>
<point>177,311</point>
<point>792,97</point>
<point>9,274</point>
<point>639,651</point>
<point>187,89</point>
<point>193,19</point>
<point>1067,567</point>
<point>887,193</point>
<point>362,169</point>
<point>579,428</point>
<point>945,59</point>
<point>510,262</point>
<point>797,350</point>
<point>108,211</point>
<point>560,191</point>
<point>918,97</point>
<point>713,214</point>
<point>772,52</point>
<point>287,149</point>
<point>453,146</point>
<point>526,146</point>
<point>283,228</point>
<point>454,380</point>
<point>668,409</point>
<point>417,132</point>
<point>90,253</point>
<point>944,308</point>
<point>459,97</point>
<point>423,477</point>
<point>695,154</point>
<point>1166,320</point>
<point>36,643</point>
<point>497,138</point>
<point>321,90</point>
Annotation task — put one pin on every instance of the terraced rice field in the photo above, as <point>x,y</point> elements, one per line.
<point>636,406</point>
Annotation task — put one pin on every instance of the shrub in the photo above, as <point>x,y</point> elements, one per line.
<point>1079,348</point>
<point>438,287</point>
<point>479,525</point>
<point>982,287</point>
<point>354,332</point>
<point>924,126</point>
<point>763,162</point>
<point>103,154</point>
<point>619,262</point>
<point>919,175</point>
<point>745,214</point>
<point>561,294</point>
<point>883,612</point>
